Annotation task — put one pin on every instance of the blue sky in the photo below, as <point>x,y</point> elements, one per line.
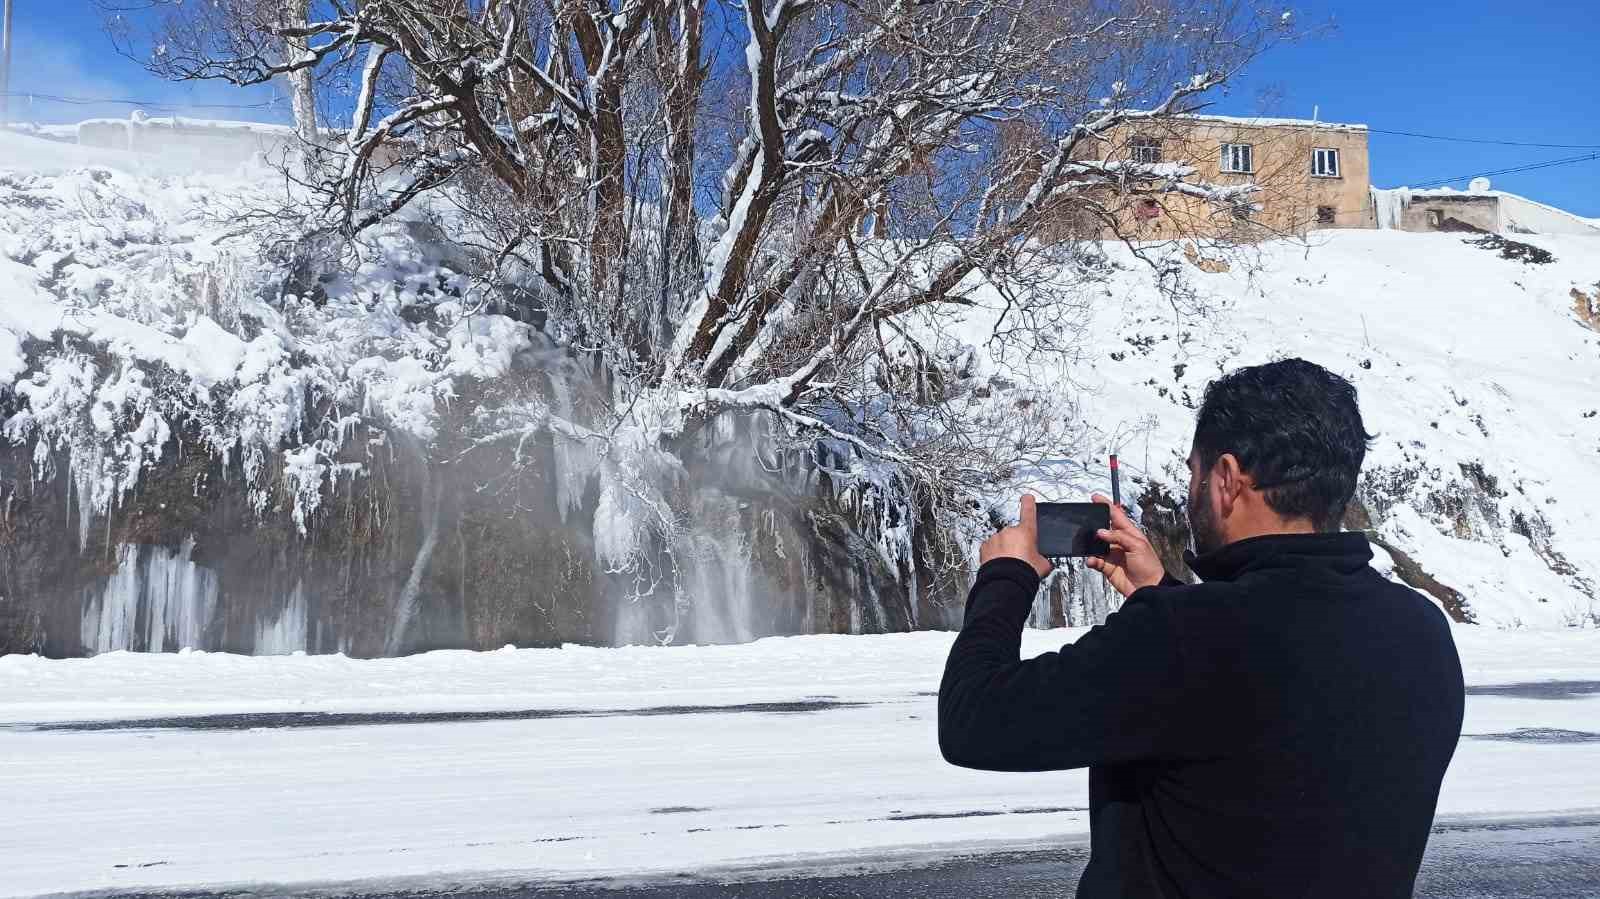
<point>1472,69</point>
<point>60,48</point>
<point>1477,69</point>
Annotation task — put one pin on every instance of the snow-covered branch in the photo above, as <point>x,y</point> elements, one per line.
<point>874,167</point>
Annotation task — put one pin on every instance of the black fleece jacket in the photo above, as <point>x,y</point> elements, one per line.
<point>1279,730</point>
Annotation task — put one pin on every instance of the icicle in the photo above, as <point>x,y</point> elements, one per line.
<point>182,597</point>
<point>575,460</point>
<point>1390,205</point>
<point>177,596</point>
<point>83,477</point>
<point>109,617</point>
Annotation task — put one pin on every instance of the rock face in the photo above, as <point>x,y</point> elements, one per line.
<point>208,447</point>
<point>448,546</point>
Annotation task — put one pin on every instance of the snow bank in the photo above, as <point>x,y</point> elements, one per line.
<point>1522,215</point>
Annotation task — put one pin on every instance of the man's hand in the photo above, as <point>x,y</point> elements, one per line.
<point>1020,541</point>
<point>1133,562</point>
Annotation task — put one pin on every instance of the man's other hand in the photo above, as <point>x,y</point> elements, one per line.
<point>1020,541</point>
<point>1132,562</point>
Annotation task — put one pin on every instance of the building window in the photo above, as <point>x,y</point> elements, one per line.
<point>1238,158</point>
<point>1325,162</point>
<point>1325,215</point>
<point>1146,150</point>
<point>1146,210</point>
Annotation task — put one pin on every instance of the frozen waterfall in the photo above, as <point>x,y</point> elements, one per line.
<point>156,600</point>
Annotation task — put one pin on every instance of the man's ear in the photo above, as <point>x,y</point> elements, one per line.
<point>1228,479</point>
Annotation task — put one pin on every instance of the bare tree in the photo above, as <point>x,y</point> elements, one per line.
<point>762,207</point>
<point>302,81</point>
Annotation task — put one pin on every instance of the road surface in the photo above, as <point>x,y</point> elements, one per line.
<point>1537,858</point>
<point>794,768</point>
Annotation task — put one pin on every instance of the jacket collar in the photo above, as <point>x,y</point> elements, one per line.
<point>1346,552</point>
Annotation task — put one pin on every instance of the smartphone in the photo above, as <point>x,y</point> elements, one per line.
<point>1068,529</point>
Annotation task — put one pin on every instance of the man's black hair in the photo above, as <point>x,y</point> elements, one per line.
<point>1296,430</point>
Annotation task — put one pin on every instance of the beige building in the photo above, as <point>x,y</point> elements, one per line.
<point>1308,175</point>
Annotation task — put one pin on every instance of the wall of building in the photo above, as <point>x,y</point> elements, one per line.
<point>1465,213</point>
<point>1444,209</point>
<point>1290,198</point>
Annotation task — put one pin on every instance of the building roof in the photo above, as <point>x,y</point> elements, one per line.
<point>1270,122</point>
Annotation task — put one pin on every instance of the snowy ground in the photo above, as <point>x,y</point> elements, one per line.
<point>633,786</point>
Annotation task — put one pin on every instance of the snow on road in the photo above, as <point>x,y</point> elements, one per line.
<point>619,790</point>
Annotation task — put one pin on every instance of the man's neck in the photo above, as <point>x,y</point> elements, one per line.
<point>1233,532</point>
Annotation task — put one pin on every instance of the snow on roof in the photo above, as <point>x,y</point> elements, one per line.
<point>189,124</point>
<point>1446,192</point>
<point>1452,193</point>
<point>1270,122</point>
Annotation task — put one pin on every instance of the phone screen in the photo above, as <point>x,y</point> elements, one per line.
<point>1068,529</point>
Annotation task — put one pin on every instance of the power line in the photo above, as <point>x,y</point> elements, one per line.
<point>1307,125</point>
<point>155,104</point>
<point>1479,140</point>
<point>1551,163</point>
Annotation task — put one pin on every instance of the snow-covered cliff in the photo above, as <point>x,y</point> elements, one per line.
<point>204,443</point>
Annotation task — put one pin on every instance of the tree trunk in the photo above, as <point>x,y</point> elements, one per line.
<point>678,66</point>
<point>302,82</point>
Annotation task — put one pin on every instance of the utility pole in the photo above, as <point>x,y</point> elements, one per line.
<point>5,68</point>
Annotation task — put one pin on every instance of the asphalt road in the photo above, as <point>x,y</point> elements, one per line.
<point>1534,858</point>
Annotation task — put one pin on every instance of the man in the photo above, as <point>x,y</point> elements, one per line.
<point>1278,730</point>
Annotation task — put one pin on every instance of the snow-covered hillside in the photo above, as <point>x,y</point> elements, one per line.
<point>125,323</point>
<point>1478,375</point>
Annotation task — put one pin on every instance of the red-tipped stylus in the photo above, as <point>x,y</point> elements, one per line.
<point>1116,488</point>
